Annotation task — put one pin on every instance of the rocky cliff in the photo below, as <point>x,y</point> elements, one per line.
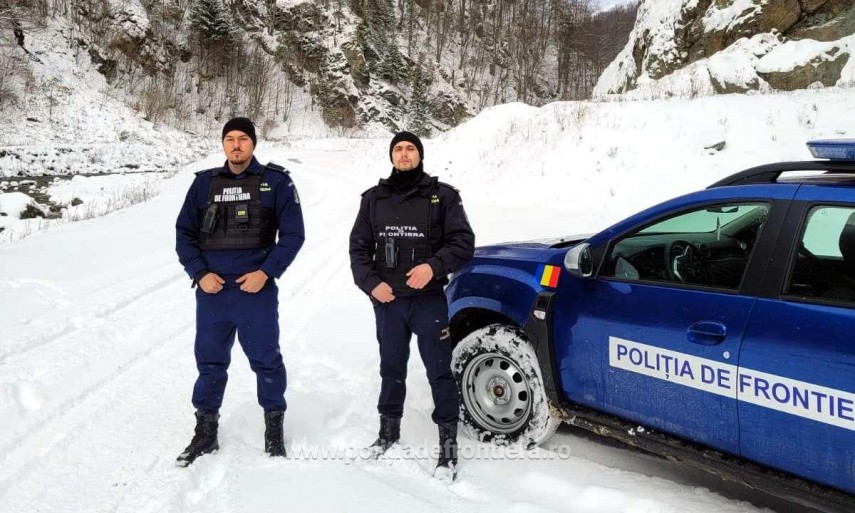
<point>691,47</point>
<point>348,66</point>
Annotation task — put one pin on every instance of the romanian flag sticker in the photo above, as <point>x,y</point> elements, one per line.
<point>549,275</point>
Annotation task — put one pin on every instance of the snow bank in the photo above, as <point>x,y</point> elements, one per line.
<point>12,204</point>
<point>12,207</point>
<point>589,164</point>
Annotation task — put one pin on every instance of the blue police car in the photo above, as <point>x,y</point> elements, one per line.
<point>715,329</point>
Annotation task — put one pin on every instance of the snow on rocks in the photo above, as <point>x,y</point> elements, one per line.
<point>13,204</point>
<point>695,48</point>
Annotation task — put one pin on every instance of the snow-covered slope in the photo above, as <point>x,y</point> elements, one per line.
<point>71,122</point>
<point>592,164</point>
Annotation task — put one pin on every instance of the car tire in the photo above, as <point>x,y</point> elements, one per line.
<point>502,399</point>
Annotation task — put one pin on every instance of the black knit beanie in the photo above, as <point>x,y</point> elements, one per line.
<point>409,137</point>
<point>243,125</point>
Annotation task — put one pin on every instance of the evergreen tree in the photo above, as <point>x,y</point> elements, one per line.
<point>210,20</point>
<point>378,40</point>
<point>419,108</point>
<point>392,66</point>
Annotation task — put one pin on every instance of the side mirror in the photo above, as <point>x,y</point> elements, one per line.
<point>578,260</point>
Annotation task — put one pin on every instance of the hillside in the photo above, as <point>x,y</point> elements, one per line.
<point>303,67</point>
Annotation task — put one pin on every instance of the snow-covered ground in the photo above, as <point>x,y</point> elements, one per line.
<point>97,326</point>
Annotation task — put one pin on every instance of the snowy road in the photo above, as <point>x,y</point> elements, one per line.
<point>96,370</point>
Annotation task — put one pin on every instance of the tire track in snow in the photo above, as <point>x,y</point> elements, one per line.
<point>72,324</point>
<point>69,389</point>
<point>44,447</point>
<point>324,262</point>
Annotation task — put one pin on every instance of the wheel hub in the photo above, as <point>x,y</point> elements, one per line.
<point>498,388</point>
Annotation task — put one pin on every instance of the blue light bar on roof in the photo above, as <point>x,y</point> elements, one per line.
<point>833,149</point>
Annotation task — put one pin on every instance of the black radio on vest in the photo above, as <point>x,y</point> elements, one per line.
<point>391,254</point>
<point>209,222</point>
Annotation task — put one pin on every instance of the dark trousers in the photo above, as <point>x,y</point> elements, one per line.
<point>255,320</point>
<point>427,317</point>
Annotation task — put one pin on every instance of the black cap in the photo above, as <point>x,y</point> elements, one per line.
<point>409,137</point>
<point>243,125</point>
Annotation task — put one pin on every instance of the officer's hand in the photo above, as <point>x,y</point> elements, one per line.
<point>252,282</point>
<point>383,293</point>
<point>211,283</point>
<point>420,276</point>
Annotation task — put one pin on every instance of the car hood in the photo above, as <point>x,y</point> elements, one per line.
<point>528,250</point>
<point>556,242</point>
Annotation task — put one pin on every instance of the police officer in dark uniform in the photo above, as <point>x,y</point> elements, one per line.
<point>410,233</point>
<point>226,239</point>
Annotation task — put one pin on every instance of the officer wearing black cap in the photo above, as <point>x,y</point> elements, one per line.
<point>226,239</point>
<point>410,233</point>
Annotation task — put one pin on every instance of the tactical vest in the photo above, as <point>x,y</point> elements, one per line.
<point>234,217</point>
<point>402,234</point>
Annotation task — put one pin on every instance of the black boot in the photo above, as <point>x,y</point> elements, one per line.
<point>274,444</point>
<point>390,433</point>
<point>446,466</point>
<point>204,441</point>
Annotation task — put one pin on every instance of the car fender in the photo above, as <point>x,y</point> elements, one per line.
<point>509,291</point>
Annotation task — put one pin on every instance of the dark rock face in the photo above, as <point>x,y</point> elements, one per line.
<point>31,212</point>
<point>106,67</point>
<point>825,20</point>
<point>826,72</point>
<point>344,55</point>
<point>359,79</point>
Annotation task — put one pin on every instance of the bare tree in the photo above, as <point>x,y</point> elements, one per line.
<point>257,74</point>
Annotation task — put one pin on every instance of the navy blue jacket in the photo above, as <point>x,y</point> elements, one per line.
<point>273,260</point>
<point>452,242</point>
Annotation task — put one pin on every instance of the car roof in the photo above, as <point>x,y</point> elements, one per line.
<point>840,172</point>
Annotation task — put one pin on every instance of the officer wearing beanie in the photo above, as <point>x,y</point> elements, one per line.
<point>410,233</point>
<point>239,229</point>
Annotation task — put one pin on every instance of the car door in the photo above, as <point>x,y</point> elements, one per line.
<point>796,385</point>
<point>657,346</point>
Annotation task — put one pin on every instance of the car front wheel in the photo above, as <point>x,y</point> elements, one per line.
<point>501,391</point>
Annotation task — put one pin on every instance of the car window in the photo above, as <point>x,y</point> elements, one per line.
<point>705,220</point>
<point>824,266</point>
<point>708,246</point>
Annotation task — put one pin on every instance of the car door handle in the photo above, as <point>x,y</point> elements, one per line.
<point>707,333</point>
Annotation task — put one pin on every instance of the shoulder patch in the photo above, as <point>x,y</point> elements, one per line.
<point>276,167</point>
<point>294,191</point>
<point>453,188</point>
